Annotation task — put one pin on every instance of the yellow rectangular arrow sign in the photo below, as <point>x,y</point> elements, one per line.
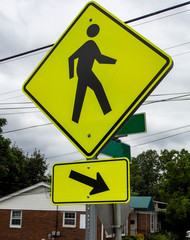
<point>90,182</point>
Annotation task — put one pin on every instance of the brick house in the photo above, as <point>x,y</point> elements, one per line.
<point>29,214</point>
<point>143,216</point>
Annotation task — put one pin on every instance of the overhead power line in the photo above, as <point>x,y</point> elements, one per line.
<point>167,94</point>
<point>16,108</point>
<point>128,21</point>
<point>169,99</point>
<point>158,133</point>
<point>158,12</point>
<point>138,145</point>
<point>61,155</point>
<point>170,15</point>
<point>178,45</point>
<point>12,97</point>
<point>15,113</point>
<point>26,53</point>
<point>15,103</point>
<point>179,54</point>
<point>20,129</point>
<point>9,92</point>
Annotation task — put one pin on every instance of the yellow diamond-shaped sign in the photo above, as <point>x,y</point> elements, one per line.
<point>95,77</point>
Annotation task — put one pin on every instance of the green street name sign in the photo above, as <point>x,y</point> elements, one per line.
<point>117,149</point>
<point>136,124</point>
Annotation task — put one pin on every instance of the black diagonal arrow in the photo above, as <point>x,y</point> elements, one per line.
<point>98,184</point>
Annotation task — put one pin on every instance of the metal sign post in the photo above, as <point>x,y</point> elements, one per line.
<point>91,222</point>
<point>91,218</point>
<point>117,221</point>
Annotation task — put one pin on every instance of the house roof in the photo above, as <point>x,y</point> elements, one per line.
<point>35,197</point>
<point>27,189</point>
<point>142,203</point>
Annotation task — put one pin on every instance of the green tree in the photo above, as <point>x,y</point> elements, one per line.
<point>175,189</point>
<point>18,170</point>
<point>36,168</point>
<point>176,175</point>
<point>6,160</point>
<point>145,174</point>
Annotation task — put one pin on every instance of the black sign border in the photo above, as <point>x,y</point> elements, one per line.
<point>93,162</point>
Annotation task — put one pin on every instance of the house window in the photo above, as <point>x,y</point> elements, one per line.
<point>123,230</point>
<point>69,219</point>
<point>16,219</point>
<point>82,221</point>
<point>152,223</point>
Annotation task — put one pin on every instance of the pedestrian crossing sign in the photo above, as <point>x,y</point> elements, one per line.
<point>95,77</point>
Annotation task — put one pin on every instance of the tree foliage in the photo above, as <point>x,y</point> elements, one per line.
<point>145,174</point>
<point>175,189</point>
<point>165,177</point>
<point>18,170</point>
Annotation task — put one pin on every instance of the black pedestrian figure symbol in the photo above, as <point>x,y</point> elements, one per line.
<point>86,55</point>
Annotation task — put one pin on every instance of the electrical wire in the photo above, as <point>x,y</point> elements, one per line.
<point>167,94</point>
<point>15,113</point>
<point>128,21</point>
<point>160,18</point>
<point>26,53</point>
<point>61,155</point>
<point>20,129</point>
<point>11,98</point>
<point>15,103</point>
<point>178,45</point>
<point>158,12</point>
<point>167,99</point>
<point>138,145</point>
<point>179,54</point>
<point>161,101</point>
<point>9,92</point>
<point>155,134</point>
<point>15,108</point>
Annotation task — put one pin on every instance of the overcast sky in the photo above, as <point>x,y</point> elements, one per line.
<point>31,24</point>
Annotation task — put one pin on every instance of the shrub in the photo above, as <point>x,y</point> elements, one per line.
<point>131,238</point>
<point>138,236</point>
<point>166,236</point>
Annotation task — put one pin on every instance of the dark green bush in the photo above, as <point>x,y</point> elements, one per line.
<point>131,238</point>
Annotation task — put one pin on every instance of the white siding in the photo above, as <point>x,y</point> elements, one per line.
<point>133,227</point>
<point>36,199</point>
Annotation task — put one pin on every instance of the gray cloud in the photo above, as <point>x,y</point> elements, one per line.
<point>26,25</point>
